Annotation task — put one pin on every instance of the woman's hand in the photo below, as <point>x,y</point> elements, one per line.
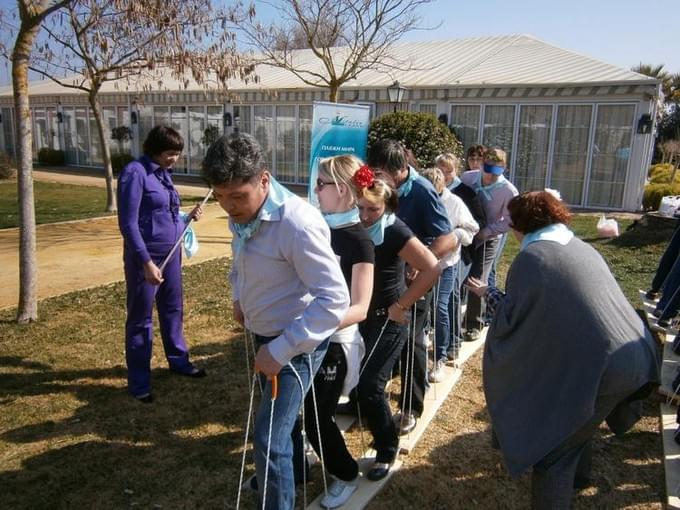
<point>476,286</point>
<point>265,363</point>
<point>152,274</point>
<point>397,314</point>
<point>196,213</point>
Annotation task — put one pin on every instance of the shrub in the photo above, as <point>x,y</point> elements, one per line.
<point>661,173</point>
<point>7,166</point>
<point>426,136</point>
<point>654,192</point>
<point>119,160</point>
<point>51,157</point>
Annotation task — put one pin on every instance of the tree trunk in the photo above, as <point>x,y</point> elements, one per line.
<point>28,267</point>
<point>111,205</point>
<point>333,90</point>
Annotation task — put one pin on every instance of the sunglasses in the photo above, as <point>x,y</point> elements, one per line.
<point>320,184</point>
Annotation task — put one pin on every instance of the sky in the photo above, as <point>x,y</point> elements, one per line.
<point>619,32</point>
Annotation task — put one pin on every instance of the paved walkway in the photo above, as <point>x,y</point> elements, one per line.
<point>75,255</point>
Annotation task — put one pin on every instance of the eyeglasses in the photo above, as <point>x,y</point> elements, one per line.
<point>320,184</point>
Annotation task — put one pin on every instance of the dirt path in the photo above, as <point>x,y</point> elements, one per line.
<point>75,255</point>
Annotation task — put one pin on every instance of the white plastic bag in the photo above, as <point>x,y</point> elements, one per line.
<point>607,228</point>
<point>668,205</point>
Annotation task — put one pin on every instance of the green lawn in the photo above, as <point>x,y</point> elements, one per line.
<point>58,202</point>
<point>53,202</point>
<point>70,437</point>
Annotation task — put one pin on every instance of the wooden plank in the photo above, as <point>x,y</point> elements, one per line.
<point>366,489</point>
<point>648,307</point>
<point>671,452</point>
<point>438,393</point>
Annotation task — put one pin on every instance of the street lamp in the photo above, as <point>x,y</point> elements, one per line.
<point>395,94</point>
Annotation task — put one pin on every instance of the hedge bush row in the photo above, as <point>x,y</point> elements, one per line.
<point>659,186</point>
<point>7,166</point>
<point>426,136</point>
<point>119,160</point>
<point>52,157</point>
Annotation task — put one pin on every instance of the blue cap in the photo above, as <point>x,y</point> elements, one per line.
<point>493,169</point>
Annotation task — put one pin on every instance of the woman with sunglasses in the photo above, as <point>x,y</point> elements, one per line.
<point>339,371</point>
<point>384,330</point>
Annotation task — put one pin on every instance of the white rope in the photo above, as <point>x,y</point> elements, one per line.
<point>433,328</point>
<point>245,441</point>
<point>318,433</point>
<point>269,442</point>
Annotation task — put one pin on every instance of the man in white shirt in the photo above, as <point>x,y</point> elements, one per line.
<point>288,290</point>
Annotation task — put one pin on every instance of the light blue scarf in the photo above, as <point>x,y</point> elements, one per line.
<point>190,241</point>
<point>486,190</point>
<point>342,219</point>
<point>377,230</point>
<point>278,194</point>
<point>406,186</point>
<point>557,232</point>
<point>454,183</point>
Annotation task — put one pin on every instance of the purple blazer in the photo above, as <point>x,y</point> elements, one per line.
<point>148,210</point>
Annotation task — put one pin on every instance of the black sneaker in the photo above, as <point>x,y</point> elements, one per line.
<point>652,294</point>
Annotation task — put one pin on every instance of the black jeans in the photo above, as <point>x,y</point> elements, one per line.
<point>413,387</point>
<point>482,260</point>
<point>327,388</point>
<point>377,370</point>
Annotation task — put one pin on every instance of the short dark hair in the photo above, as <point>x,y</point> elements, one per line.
<point>235,158</point>
<point>534,210</point>
<point>476,150</point>
<point>161,139</point>
<point>388,155</point>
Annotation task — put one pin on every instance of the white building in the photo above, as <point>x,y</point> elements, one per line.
<point>567,121</point>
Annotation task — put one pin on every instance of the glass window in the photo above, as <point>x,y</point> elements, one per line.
<point>8,131</point>
<point>40,137</point>
<point>145,119</point>
<point>611,152</point>
<point>465,124</point>
<point>531,163</point>
<point>70,142</point>
<point>53,128</point>
<point>263,130</point>
<point>124,120</point>
<point>499,123</point>
<point>285,143</point>
<point>111,122</point>
<point>305,140</point>
<point>95,144</point>
<point>429,108</point>
<point>161,116</point>
<point>243,119</point>
<point>82,136</point>
<point>198,138</point>
<point>179,121</point>
<point>571,152</point>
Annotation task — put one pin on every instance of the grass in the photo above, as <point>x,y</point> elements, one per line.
<point>56,202</point>
<point>70,437</point>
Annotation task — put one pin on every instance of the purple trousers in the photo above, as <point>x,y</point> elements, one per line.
<point>139,326</point>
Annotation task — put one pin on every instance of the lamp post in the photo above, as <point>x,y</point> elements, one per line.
<point>395,94</point>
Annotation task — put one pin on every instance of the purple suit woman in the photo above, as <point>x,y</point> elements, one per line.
<point>150,222</point>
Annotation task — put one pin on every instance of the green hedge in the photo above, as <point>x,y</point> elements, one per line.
<point>7,166</point>
<point>661,174</point>
<point>651,198</point>
<point>51,157</point>
<point>426,136</point>
<point>119,160</point>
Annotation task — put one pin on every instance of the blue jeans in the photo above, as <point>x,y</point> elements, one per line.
<point>499,254</point>
<point>458,297</point>
<point>443,321</point>
<point>670,255</point>
<point>281,479</point>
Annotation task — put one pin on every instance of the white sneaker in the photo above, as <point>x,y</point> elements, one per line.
<point>437,373</point>
<point>339,493</point>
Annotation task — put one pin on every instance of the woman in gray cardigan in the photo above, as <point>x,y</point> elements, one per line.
<point>564,352</point>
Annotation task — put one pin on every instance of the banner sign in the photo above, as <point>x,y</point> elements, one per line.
<point>336,129</point>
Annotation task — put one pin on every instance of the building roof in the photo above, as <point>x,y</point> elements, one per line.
<point>472,62</point>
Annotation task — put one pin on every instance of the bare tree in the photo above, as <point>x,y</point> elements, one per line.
<point>134,43</point>
<point>346,36</point>
<point>31,15</point>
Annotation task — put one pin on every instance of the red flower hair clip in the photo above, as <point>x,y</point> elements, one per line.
<point>364,177</point>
